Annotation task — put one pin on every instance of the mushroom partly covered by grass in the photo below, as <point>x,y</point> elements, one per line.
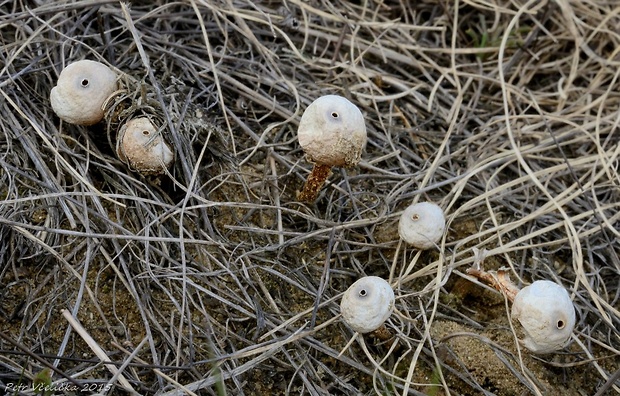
<point>89,91</point>
<point>544,308</point>
<point>141,146</point>
<point>332,132</point>
<point>81,90</point>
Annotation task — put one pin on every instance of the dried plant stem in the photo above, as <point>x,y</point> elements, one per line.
<point>101,354</point>
<point>499,279</point>
<point>494,110</point>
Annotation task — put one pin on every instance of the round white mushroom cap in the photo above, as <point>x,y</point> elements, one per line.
<point>332,131</point>
<point>367,304</point>
<point>422,225</point>
<point>142,147</point>
<point>81,89</point>
<point>547,315</point>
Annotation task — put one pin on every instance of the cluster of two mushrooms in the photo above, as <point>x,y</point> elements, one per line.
<point>332,132</point>
<point>544,308</point>
<point>78,98</point>
<point>369,302</point>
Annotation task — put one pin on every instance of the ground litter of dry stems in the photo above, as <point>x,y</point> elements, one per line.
<point>215,280</point>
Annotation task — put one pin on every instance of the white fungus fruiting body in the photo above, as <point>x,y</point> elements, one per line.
<point>367,304</point>
<point>81,89</point>
<point>332,131</point>
<point>422,225</point>
<point>547,315</point>
<point>143,148</point>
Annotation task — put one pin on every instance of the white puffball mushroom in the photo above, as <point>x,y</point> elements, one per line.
<point>81,89</point>
<point>422,225</point>
<point>332,132</point>
<point>547,315</point>
<point>141,146</point>
<point>367,304</point>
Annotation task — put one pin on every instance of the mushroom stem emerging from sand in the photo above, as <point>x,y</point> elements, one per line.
<point>544,308</point>
<point>331,132</point>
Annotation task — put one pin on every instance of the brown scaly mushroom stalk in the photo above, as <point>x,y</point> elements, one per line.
<point>332,133</point>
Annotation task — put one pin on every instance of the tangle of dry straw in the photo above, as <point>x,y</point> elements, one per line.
<point>216,279</point>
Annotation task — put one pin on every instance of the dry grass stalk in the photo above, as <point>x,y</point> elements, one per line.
<point>504,113</point>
